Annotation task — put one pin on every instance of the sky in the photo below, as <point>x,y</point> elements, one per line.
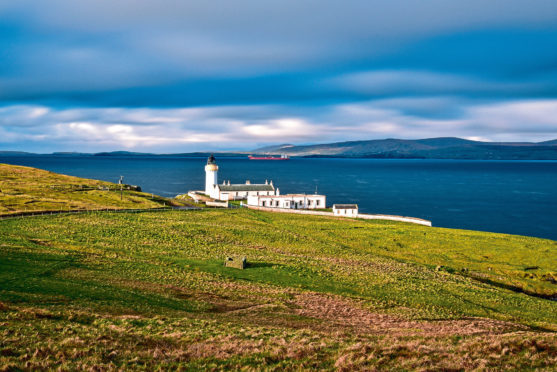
<point>172,76</point>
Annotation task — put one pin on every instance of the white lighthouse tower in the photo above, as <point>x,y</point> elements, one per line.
<point>211,170</point>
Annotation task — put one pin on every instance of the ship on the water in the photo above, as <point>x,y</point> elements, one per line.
<point>266,157</point>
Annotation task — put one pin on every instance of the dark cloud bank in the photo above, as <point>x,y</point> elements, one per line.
<point>185,76</point>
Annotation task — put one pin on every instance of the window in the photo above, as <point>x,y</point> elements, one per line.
<point>263,203</point>
<point>317,202</point>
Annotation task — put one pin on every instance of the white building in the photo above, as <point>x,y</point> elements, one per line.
<point>288,201</point>
<point>262,195</point>
<point>347,210</point>
<point>228,191</point>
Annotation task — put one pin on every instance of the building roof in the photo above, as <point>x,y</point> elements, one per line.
<point>345,206</point>
<point>246,187</point>
<point>211,160</point>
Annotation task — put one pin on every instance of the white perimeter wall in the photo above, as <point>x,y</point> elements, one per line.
<point>415,220</point>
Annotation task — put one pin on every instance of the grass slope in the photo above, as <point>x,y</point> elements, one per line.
<point>148,290</point>
<point>25,189</point>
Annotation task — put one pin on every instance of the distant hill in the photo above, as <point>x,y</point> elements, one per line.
<point>126,154</point>
<point>177,155</point>
<point>390,148</point>
<point>8,153</point>
<point>273,148</point>
<point>430,148</point>
<point>122,153</point>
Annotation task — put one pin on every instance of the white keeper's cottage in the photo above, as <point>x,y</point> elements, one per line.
<point>289,201</point>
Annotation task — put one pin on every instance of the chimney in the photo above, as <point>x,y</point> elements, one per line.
<point>266,182</point>
<point>248,182</point>
<point>271,183</point>
<point>228,182</point>
<point>277,192</point>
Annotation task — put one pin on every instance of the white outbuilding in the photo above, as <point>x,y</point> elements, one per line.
<point>288,201</point>
<point>345,210</point>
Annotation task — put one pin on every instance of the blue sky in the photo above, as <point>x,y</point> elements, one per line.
<point>179,76</point>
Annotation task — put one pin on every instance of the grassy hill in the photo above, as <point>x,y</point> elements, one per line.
<point>25,189</point>
<point>149,290</point>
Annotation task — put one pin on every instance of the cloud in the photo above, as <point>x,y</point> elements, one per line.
<point>512,120</point>
<point>225,127</point>
<point>389,83</point>
<point>189,75</point>
<point>283,129</point>
<point>139,53</point>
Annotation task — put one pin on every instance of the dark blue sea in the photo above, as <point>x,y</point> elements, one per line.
<point>515,197</point>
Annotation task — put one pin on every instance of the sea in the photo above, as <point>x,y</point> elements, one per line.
<point>514,197</point>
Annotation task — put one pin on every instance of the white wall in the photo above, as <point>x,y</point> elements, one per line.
<point>345,212</point>
<point>210,180</point>
<point>417,221</point>
<point>234,195</point>
<point>292,202</point>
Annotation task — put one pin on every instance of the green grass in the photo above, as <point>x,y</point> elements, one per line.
<point>25,189</point>
<point>385,262</point>
<point>165,270</point>
<point>149,290</point>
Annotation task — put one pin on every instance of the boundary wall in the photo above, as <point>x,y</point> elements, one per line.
<point>418,221</point>
<point>85,211</point>
<point>415,220</point>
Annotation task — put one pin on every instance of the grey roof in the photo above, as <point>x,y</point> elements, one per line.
<point>345,206</point>
<point>244,187</point>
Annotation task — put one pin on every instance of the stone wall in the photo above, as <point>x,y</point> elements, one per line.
<point>418,221</point>
<point>218,204</point>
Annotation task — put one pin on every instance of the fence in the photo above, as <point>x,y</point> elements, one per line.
<point>84,211</point>
<point>218,204</point>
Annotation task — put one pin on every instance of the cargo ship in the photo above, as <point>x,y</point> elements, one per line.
<point>265,157</point>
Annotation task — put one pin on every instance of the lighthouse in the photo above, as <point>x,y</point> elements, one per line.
<point>211,170</point>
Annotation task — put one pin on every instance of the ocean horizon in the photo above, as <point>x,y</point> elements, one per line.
<point>504,196</point>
